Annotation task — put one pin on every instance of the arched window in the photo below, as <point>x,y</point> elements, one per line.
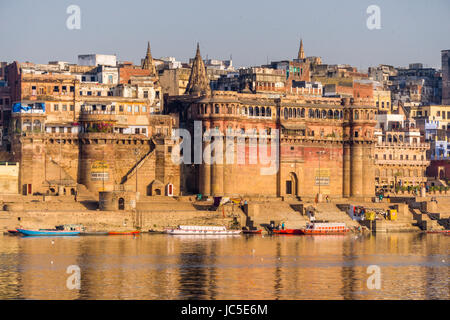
<point>26,125</point>
<point>256,111</point>
<point>263,112</point>
<point>302,114</point>
<point>216,109</point>
<point>268,112</point>
<point>324,114</point>
<point>330,114</point>
<point>389,138</point>
<point>317,114</point>
<point>294,113</point>
<point>290,112</point>
<point>286,113</point>
<point>395,139</point>
<point>356,117</point>
<point>336,114</point>
<point>37,125</point>
<point>250,111</point>
<point>311,113</point>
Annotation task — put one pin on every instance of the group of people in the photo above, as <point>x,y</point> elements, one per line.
<point>272,226</point>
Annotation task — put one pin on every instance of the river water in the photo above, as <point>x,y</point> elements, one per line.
<point>411,266</point>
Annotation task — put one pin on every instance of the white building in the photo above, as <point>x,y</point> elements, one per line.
<point>97,59</point>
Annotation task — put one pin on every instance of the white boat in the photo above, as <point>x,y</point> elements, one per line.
<point>202,230</point>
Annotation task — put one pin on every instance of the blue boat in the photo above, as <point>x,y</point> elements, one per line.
<point>48,232</point>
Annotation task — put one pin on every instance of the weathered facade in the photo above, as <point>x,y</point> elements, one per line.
<point>325,145</point>
<point>400,158</point>
<point>106,136</point>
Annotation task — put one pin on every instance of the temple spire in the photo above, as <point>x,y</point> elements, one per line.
<point>198,80</point>
<point>147,63</point>
<point>301,52</point>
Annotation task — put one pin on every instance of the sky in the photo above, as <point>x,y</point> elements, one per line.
<point>253,32</point>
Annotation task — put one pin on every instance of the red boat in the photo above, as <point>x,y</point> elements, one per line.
<point>325,228</point>
<point>287,231</point>
<point>122,233</point>
<point>14,232</point>
<point>439,231</point>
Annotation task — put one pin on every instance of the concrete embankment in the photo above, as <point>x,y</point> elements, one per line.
<point>111,220</point>
<point>154,215</point>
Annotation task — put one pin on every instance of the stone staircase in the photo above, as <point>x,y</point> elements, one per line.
<point>426,221</point>
<point>139,164</point>
<point>330,212</point>
<point>86,197</point>
<point>277,211</point>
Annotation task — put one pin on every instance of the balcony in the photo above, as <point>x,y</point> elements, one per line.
<point>402,162</point>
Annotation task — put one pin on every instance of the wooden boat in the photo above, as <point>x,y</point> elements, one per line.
<point>94,233</point>
<point>13,232</point>
<point>201,230</point>
<point>287,231</point>
<point>439,231</point>
<point>123,233</point>
<point>48,232</point>
<point>325,228</point>
<point>252,231</point>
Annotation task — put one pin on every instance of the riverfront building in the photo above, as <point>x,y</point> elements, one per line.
<point>326,145</point>
<point>95,126</point>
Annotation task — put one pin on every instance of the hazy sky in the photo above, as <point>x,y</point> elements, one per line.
<point>252,31</point>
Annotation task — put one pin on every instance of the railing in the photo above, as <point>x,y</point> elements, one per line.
<point>403,145</point>
<point>89,112</point>
<point>403,162</point>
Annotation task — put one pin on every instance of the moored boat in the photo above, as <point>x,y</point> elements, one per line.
<point>123,233</point>
<point>325,228</point>
<point>252,231</point>
<point>48,232</point>
<point>94,233</point>
<point>201,230</point>
<point>439,231</point>
<point>287,231</point>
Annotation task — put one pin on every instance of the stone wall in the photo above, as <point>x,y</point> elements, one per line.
<point>114,220</point>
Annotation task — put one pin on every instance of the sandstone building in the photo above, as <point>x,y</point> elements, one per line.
<point>93,125</point>
<point>326,145</point>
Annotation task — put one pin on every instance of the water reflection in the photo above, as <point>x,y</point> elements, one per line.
<point>413,266</point>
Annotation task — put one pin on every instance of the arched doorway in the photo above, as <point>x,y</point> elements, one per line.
<point>157,188</point>
<point>121,204</point>
<point>291,185</point>
<point>441,173</point>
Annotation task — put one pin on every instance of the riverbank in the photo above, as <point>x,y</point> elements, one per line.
<point>156,213</point>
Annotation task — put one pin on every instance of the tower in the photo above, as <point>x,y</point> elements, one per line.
<point>301,52</point>
<point>198,80</point>
<point>358,153</point>
<point>445,77</point>
<point>147,63</point>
